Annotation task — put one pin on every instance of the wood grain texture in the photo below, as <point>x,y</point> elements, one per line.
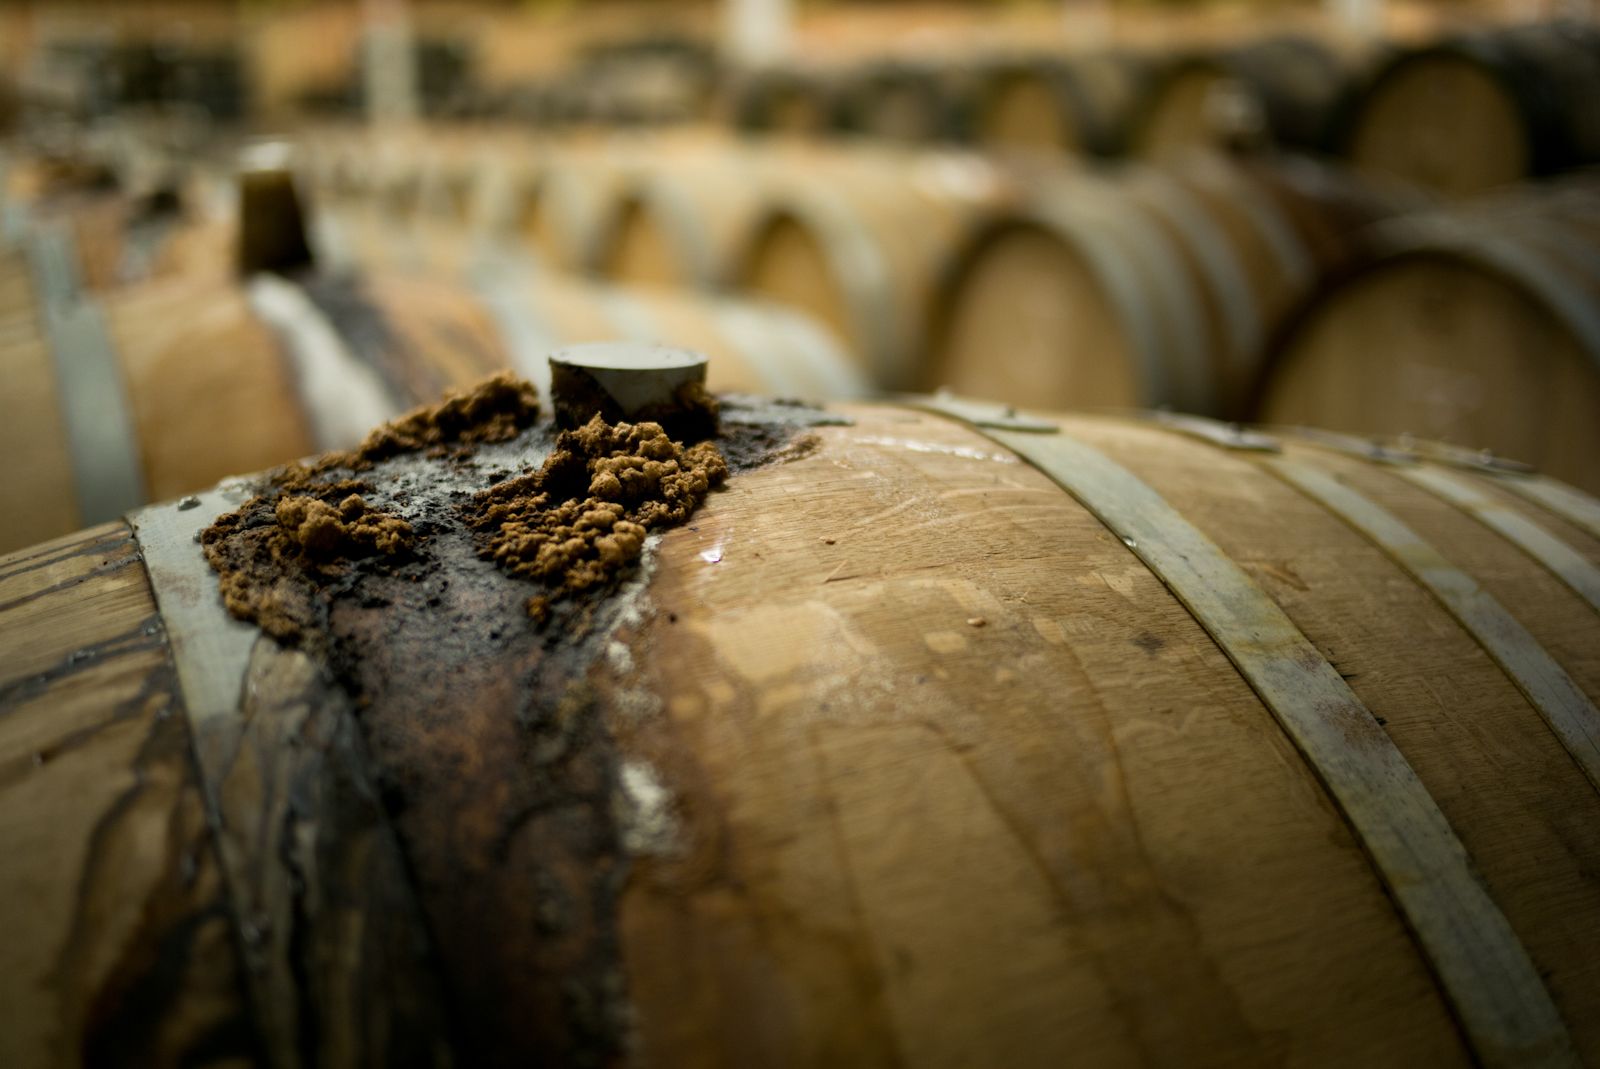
<point>1481,964</point>
<point>37,488</point>
<point>119,947</point>
<point>1460,723</point>
<point>209,388</point>
<point>973,754</point>
<point>1568,711</point>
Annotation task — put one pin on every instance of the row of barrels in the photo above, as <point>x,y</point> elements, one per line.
<point>890,248</point>
<point>1466,112</point>
<point>1236,289</point>
<point>1276,293</point>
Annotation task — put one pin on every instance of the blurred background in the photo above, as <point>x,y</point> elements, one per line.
<point>234,232</point>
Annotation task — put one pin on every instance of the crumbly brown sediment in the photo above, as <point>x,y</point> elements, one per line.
<point>276,551</point>
<point>575,525</point>
<point>581,519</point>
<point>496,410</point>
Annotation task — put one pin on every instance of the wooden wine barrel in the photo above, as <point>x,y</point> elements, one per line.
<point>1481,110</point>
<point>681,225</point>
<point>1280,92</point>
<point>450,220</point>
<point>378,223</point>
<point>141,395</point>
<point>1482,330</point>
<point>1075,105</point>
<point>900,102</point>
<point>1142,288</point>
<point>784,101</point>
<point>861,252</point>
<point>563,212</point>
<point>163,389</point>
<point>758,346</point>
<point>118,237</point>
<point>1098,742</point>
<point>482,200</point>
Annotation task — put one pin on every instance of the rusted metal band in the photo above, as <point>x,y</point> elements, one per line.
<point>108,475</point>
<point>211,652</point>
<point>1564,562</point>
<point>1483,968</point>
<point>209,648</point>
<point>1569,712</point>
<point>1571,504</point>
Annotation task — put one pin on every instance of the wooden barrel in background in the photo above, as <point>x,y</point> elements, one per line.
<point>1076,105</point>
<point>1481,110</point>
<point>450,219</point>
<point>377,216</point>
<point>784,101</point>
<point>118,237</point>
<point>757,346</point>
<point>417,204</point>
<point>156,390</point>
<point>1232,779</point>
<point>1141,288</point>
<point>188,382</point>
<point>900,102</point>
<point>680,225</point>
<point>562,212</point>
<point>862,251</point>
<point>1279,92</point>
<point>1479,328</point>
